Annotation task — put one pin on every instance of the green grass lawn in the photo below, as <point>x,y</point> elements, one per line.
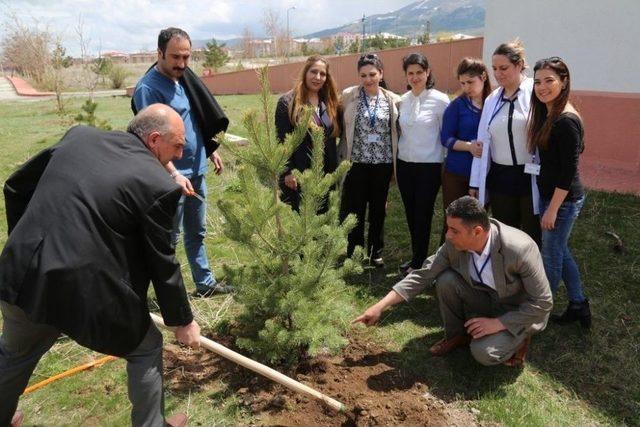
<point>572,378</point>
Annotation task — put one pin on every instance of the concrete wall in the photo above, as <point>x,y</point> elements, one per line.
<point>443,59</point>
<point>598,41</point>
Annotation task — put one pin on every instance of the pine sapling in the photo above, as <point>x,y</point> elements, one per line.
<point>292,292</point>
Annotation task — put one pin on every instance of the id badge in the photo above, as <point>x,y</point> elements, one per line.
<point>373,138</point>
<point>532,169</point>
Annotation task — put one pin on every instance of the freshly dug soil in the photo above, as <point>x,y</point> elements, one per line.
<point>374,393</point>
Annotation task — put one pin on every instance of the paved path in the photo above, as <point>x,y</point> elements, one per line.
<point>7,92</point>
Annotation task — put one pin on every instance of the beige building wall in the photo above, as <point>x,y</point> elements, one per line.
<point>597,38</point>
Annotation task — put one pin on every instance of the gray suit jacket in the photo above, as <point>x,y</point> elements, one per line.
<point>518,272</point>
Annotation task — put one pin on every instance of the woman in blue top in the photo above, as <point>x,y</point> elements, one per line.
<point>460,130</point>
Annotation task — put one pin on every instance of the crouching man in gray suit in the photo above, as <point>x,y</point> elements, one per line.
<point>491,287</point>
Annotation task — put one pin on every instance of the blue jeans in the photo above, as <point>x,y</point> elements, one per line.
<point>557,259</point>
<point>191,219</point>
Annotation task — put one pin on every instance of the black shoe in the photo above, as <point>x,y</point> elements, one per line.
<point>575,311</point>
<point>403,269</point>
<point>377,262</point>
<point>219,288</point>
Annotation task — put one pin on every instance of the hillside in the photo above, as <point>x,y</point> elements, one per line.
<point>443,15</point>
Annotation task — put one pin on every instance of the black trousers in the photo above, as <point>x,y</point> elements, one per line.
<point>366,184</point>
<point>453,187</point>
<point>419,184</point>
<point>516,211</point>
<point>293,197</point>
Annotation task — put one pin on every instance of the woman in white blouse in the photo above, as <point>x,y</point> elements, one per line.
<point>420,154</point>
<point>505,175</point>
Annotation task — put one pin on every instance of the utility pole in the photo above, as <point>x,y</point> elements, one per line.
<point>288,34</point>
<point>363,33</point>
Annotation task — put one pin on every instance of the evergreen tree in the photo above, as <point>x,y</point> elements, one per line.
<point>292,291</point>
<point>215,55</point>
<point>88,116</point>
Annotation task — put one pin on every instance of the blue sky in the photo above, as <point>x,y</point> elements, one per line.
<point>129,26</point>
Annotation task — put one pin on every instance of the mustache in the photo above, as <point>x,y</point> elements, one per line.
<point>179,69</point>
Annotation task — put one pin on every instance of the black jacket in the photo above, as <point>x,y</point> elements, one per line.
<point>210,116</point>
<point>89,227</point>
<point>301,158</point>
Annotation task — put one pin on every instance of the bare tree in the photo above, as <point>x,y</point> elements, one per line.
<point>26,48</point>
<point>89,77</point>
<point>274,29</point>
<point>248,48</point>
<point>36,53</point>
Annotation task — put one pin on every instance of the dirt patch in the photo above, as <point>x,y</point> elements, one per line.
<point>374,393</point>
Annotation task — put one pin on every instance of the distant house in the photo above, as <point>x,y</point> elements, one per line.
<point>313,44</point>
<point>347,37</point>
<point>262,47</point>
<point>143,57</point>
<point>117,57</point>
<point>460,36</point>
<point>386,36</point>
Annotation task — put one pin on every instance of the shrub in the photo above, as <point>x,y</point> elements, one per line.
<point>117,75</point>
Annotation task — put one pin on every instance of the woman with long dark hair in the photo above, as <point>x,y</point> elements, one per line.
<point>502,170</point>
<point>370,142</point>
<point>420,154</point>
<point>556,137</point>
<point>314,88</point>
<point>460,130</point>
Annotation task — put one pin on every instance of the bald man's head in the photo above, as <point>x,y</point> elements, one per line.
<point>162,131</point>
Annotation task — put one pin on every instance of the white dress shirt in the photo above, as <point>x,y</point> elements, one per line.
<point>479,261</point>
<point>480,166</point>
<point>420,124</point>
<point>499,129</point>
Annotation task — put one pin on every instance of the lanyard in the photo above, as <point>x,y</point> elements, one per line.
<point>498,107</point>
<point>475,267</point>
<point>317,115</point>
<point>473,108</point>
<point>372,117</point>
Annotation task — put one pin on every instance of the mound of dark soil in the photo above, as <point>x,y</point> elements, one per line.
<point>373,392</point>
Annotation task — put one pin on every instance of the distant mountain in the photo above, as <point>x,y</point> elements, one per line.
<point>411,20</point>
<point>230,43</point>
<point>443,15</point>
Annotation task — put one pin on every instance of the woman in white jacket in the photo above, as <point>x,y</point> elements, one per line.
<point>505,174</point>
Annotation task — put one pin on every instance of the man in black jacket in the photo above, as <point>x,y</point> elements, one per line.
<point>171,82</point>
<point>89,224</point>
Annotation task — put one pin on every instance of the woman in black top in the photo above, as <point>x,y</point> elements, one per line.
<point>556,137</point>
<point>316,88</point>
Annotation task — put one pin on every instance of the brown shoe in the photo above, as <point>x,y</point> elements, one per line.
<point>177,420</point>
<point>520,355</point>
<point>17,419</point>
<point>445,346</point>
